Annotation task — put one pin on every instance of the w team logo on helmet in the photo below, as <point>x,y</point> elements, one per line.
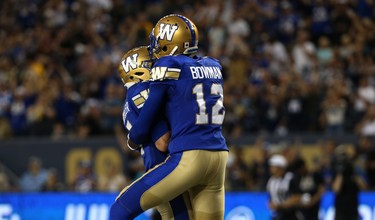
<point>135,65</point>
<point>167,31</point>
<point>130,62</point>
<point>172,35</point>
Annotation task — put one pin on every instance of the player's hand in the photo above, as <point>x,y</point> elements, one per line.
<point>272,206</point>
<point>163,142</point>
<point>132,145</point>
<point>307,205</point>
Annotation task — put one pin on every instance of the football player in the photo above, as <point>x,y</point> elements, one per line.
<point>188,89</point>
<point>134,70</point>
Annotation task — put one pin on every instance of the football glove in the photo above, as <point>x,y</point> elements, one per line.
<point>132,145</point>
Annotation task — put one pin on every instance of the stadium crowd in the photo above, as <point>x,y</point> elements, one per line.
<point>290,66</point>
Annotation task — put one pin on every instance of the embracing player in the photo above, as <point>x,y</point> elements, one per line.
<point>134,71</point>
<point>188,91</point>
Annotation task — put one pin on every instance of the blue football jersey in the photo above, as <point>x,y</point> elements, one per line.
<point>191,89</point>
<point>135,97</point>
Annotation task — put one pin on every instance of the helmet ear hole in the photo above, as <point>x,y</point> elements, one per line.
<point>165,48</point>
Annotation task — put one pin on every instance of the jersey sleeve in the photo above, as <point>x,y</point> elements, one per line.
<point>129,114</point>
<point>151,111</point>
<point>166,68</point>
<point>160,128</point>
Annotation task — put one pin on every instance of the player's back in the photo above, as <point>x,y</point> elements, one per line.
<point>194,107</point>
<point>135,98</point>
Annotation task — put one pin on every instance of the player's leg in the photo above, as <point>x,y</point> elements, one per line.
<point>127,205</point>
<point>181,207</point>
<point>178,208</point>
<point>208,197</point>
<point>159,185</point>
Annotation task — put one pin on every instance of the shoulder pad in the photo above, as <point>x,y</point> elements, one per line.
<point>211,58</point>
<point>212,61</point>
<point>166,68</point>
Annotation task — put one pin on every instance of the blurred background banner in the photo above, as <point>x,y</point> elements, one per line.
<point>63,155</point>
<point>67,155</point>
<point>96,206</point>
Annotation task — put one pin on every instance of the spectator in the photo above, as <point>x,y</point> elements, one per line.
<point>5,128</point>
<point>41,115</point>
<point>346,185</point>
<point>238,176</point>
<point>311,187</point>
<point>35,176</point>
<point>67,105</point>
<point>366,127</point>
<point>366,150</point>
<point>4,181</point>
<point>288,22</point>
<point>86,180</point>
<point>324,53</point>
<point>321,21</point>
<point>217,35</point>
<point>111,108</point>
<point>303,55</point>
<point>295,109</point>
<point>279,58</point>
<point>342,19</point>
<point>333,113</point>
<point>52,183</point>
<point>346,48</point>
<point>259,166</point>
<point>366,94</point>
<point>18,112</point>
<point>282,189</point>
<point>89,119</point>
<point>112,180</point>
<point>5,98</point>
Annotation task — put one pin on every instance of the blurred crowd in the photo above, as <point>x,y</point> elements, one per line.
<point>290,66</point>
<point>244,174</point>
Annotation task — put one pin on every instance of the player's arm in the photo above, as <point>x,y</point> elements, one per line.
<point>129,116</point>
<point>318,195</point>
<point>162,143</point>
<point>294,198</point>
<point>141,129</point>
<point>161,134</point>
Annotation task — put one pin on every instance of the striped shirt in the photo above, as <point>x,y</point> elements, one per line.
<point>278,188</point>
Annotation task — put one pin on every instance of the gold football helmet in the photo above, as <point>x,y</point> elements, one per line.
<point>135,65</point>
<point>172,35</point>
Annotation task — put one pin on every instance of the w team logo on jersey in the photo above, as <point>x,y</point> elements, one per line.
<point>167,31</point>
<point>130,62</point>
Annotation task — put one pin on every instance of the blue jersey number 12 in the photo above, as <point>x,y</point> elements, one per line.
<point>216,116</point>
